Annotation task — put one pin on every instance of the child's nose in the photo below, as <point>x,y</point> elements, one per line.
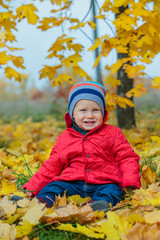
<point>90,114</point>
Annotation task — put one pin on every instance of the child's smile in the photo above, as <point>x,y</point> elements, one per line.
<point>87,114</point>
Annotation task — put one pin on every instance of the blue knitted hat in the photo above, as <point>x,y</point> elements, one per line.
<point>87,90</point>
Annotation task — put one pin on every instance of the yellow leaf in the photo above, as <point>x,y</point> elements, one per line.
<point>18,61</point>
<point>97,61</point>
<point>92,24</point>
<point>79,71</point>
<point>4,58</point>
<point>110,231</point>
<point>101,16</point>
<point>148,175</point>
<point>7,187</point>
<point>78,200</point>
<point>97,43</point>
<point>11,73</point>
<point>61,79</point>
<point>78,26</point>
<point>106,48</point>
<point>49,72</point>
<point>72,60</point>
<point>81,229</point>
<point>24,230</point>
<point>155,82</point>
<point>134,71</point>
<point>113,81</point>
<point>123,102</point>
<point>116,66</point>
<point>89,232</point>
<point>27,11</point>
<point>3,5</point>
<point>34,213</point>
<point>119,3</point>
<point>133,218</point>
<point>138,91</point>
<point>59,2</point>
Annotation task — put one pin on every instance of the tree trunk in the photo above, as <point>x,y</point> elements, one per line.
<point>125,116</point>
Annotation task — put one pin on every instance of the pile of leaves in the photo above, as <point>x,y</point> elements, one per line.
<point>24,145</point>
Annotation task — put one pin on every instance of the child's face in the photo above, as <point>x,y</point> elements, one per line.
<point>87,114</point>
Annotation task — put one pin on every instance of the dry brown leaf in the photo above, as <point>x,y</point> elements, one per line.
<point>67,213</point>
<point>147,175</point>
<point>152,217</point>
<point>7,232</point>
<point>86,214</point>
<point>24,203</point>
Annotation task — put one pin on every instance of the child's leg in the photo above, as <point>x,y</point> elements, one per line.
<point>47,194</point>
<point>111,193</point>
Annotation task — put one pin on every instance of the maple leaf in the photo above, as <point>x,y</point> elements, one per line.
<point>24,229</point>
<point>27,11</point>
<point>79,71</point>
<point>11,73</point>
<point>60,79</point>
<point>80,229</point>
<point>49,72</point>
<point>7,187</point>
<point>4,58</point>
<point>18,61</point>
<point>72,60</point>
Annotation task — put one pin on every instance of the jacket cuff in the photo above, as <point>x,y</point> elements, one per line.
<point>27,186</point>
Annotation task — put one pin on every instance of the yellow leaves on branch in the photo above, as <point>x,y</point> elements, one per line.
<point>112,100</point>
<point>11,73</point>
<point>113,81</point>
<point>138,91</point>
<point>27,11</point>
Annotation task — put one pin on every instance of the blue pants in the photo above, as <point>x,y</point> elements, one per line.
<point>111,193</point>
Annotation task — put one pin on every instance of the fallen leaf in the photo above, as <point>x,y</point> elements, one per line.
<point>7,232</point>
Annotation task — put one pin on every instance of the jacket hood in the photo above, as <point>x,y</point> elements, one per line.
<point>69,121</point>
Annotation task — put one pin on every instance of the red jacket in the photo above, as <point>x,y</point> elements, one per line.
<point>102,156</point>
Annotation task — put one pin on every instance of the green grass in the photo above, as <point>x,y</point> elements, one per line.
<point>48,233</point>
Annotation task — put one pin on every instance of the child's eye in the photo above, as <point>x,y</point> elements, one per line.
<point>82,110</point>
<point>95,110</point>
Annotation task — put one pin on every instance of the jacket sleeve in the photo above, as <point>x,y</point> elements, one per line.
<point>50,168</point>
<point>127,160</point>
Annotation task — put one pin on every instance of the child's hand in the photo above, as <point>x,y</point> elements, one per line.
<point>30,194</point>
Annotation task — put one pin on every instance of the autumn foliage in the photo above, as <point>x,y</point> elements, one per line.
<point>24,146</point>
<point>134,32</point>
